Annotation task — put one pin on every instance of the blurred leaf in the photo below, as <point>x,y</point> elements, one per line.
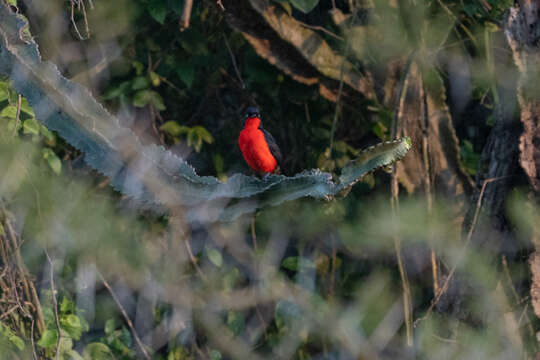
<point>157,101</point>
<point>304,5</point>
<point>48,135</point>
<point>53,160</point>
<point>203,134</point>
<point>158,10</point>
<point>140,82</point>
<point>31,126</point>
<point>117,91</point>
<point>290,263</point>
<point>9,112</point>
<point>4,92</point>
<point>26,108</point>
<point>141,98</point>
<point>109,326</point>
<point>215,355</point>
<point>214,256</point>
<point>97,351</point>
<point>139,67</point>
<point>48,338</point>
<point>173,128</point>
<point>186,73</point>
<point>235,322</point>
<point>72,325</point>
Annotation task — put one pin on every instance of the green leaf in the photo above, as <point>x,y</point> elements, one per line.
<point>31,126</point>
<point>158,10</point>
<point>186,73</point>
<point>214,256</point>
<point>141,98</point>
<point>157,101</point>
<point>304,6</point>
<point>72,325</point>
<point>109,326</point>
<point>139,67</point>
<point>173,128</point>
<point>48,338</point>
<point>117,91</point>
<point>66,305</point>
<point>66,344</point>
<point>235,322</point>
<point>140,82</point>
<point>26,108</point>
<point>4,92</point>
<point>215,355</point>
<point>53,160</point>
<point>290,263</point>
<point>97,351</point>
<point>144,97</point>
<point>48,135</point>
<point>204,134</point>
<point>9,112</point>
<point>16,341</point>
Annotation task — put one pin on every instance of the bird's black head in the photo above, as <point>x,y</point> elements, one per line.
<point>252,111</point>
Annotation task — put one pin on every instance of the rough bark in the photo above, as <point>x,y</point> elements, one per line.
<point>522,30</point>
<point>426,119</point>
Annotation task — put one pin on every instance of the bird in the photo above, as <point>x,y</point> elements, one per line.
<point>258,146</point>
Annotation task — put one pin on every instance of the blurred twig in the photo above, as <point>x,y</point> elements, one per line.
<point>236,70</point>
<point>186,15</point>
<point>55,303</point>
<point>395,130</point>
<point>125,315</point>
<point>80,7</point>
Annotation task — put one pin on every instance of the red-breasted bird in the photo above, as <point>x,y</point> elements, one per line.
<point>258,146</point>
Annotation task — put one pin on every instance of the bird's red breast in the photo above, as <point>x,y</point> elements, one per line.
<point>255,148</point>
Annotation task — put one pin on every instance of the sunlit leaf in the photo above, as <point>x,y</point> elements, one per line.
<point>31,126</point>
<point>214,256</point>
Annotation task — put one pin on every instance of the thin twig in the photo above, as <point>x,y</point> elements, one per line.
<point>236,70</point>
<point>320,28</point>
<point>73,19</point>
<point>17,118</point>
<point>338,99</point>
<point>125,315</point>
<point>194,260</point>
<point>446,283</point>
<point>87,28</point>
<point>395,130</point>
<point>55,302</point>
<point>34,354</point>
<point>186,15</point>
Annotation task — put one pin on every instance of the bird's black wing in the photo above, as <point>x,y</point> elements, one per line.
<point>274,148</point>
